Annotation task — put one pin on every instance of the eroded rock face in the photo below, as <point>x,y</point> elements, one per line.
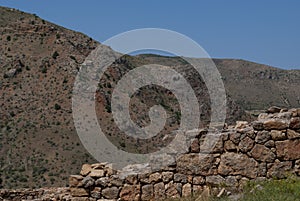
<point>237,164</point>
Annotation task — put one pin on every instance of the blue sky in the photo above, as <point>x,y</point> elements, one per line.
<point>264,31</point>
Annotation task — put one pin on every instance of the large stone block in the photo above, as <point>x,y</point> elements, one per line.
<point>196,164</point>
<point>130,193</point>
<point>147,192</point>
<point>279,169</point>
<point>288,149</point>
<point>262,153</point>
<point>159,191</point>
<point>277,124</point>
<point>237,164</point>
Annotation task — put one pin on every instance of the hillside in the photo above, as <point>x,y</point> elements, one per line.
<point>38,64</point>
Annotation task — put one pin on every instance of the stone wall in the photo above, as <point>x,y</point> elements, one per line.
<point>266,148</point>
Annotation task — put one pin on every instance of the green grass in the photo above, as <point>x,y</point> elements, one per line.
<point>272,190</point>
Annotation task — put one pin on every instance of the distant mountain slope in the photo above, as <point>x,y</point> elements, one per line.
<point>251,85</point>
<point>256,87</point>
<point>38,64</point>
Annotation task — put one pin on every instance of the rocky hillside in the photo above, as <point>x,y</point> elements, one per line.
<point>38,64</point>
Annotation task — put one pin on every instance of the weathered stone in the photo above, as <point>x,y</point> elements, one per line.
<point>180,178</point>
<point>155,177</point>
<point>88,182</point>
<point>235,137</point>
<point>197,189</point>
<point>196,164</point>
<point>295,123</point>
<point>288,149</point>
<point>251,133</point>
<point>263,116</point>
<point>131,179</point>
<point>279,169</point>
<point>212,143</point>
<point>277,124</point>
<point>270,143</point>
<point>294,112</point>
<point>231,181</point>
<point>173,190</point>
<point>108,169</point>
<point>186,190</point>
<point>195,147</point>
<point>230,146</point>
<point>277,135</point>
<point>130,193</point>
<point>167,176</point>
<point>262,137</point>
<point>96,193</point>
<point>86,169</point>
<point>198,180</point>
<point>111,192</point>
<point>257,125</point>
<point>262,170</point>
<point>144,178</point>
<point>215,180</point>
<point>284,115</point>
<point>274,109</point>
<point>237,164</point>
<point>147,192</point>
<point>96,173</point>
<point>116,181</point>
<point>98,165</point>
<point>103,182</point>
<point>291,134</point>
<point>75,180</point>
<point>262,153</point>
<point>159,191</point>
<point>246,144</point>
<point>79,192</point>
<point>241,124</point>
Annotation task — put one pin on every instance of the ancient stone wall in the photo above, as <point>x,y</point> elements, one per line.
<point>266,148</point>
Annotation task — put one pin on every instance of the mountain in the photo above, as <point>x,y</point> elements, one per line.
<point>38,65</point>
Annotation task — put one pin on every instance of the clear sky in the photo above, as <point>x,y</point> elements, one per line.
<point>264,31</point>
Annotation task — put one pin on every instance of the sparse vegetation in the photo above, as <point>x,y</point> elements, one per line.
<point>55,55</point>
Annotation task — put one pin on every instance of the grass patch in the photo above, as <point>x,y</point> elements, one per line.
<point>271,190</point>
